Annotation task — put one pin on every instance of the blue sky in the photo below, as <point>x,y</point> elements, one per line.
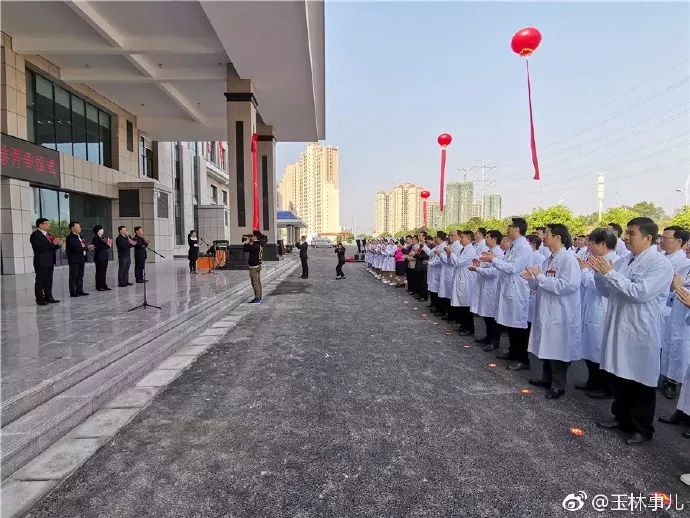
<point>610,94</point>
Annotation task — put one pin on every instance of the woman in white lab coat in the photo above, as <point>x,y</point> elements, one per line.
<point>537,259</point>
<point>485,303</point>
<point>434,270</point>
<point>445,284</point>
<point>602,243</point>
<point>675,339</point>
<point>555,334</point>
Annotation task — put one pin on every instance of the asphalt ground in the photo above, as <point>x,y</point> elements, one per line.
<point>345,398</point>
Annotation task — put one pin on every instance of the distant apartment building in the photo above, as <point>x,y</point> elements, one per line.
<point>459,199</point>
<point>400,209</point>
<point>311,188</point>
<point>492,206</point>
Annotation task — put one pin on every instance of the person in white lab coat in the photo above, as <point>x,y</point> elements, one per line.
<point>486,300</point>
<point>479,243</point>
<point>602,243</point>
<point>513,293</point>
<point>445,285</point>
<point>673,357</point>
<point>621,249</point>
<point>555,334</point>
<point>636,288</point>
<point>434,270</point>
<point>464,282</point>
<point>537,259</point>
<point>580,244</point>
<point>543,249</point>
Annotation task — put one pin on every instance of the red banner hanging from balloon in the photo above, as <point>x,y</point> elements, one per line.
<point>255,181</point>
<point>444,140</point>
<point>533,143</point>
<point>425,216</point>
<point>524,43</point>
<point>424,195</point>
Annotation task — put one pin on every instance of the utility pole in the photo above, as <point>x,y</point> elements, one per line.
<point>600,194</point>
<point>687,184</point>
<point>482,185</point>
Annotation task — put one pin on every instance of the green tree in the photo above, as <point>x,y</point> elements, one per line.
<point>649,210</point>
<point>557,214</point>
<point>620,215</point>
<point>682,217</point>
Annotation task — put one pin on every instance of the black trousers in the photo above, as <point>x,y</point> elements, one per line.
<point>466,318</point>
<point>101,272</point>
<point>192,265</point>
<point>421,285</point>
<point>555,372</point>
<point>443,306</point>
<point>76,278</point>
<point>305,267</point>
<point>139,270</point>
<point>433,297</point>
<point>519,339</point>
<point>598,379</point>
<point>123,271</point>
<point>634,405</point>
<point>410,280</point>
<point>339,268</point>
<point>493,334</point>
<point>43,287</point>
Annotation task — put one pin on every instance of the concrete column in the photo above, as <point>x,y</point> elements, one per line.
<point>241,125</point>
<point>267,185</point>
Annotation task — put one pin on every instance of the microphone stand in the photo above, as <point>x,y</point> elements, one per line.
<point>145,304</point>
<point>213,260</point>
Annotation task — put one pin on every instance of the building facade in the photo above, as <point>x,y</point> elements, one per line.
<point>108,119</point>
<point>492,206</point>
<point>459,202</point>
<point>399,209</point>
<point>311,188</point>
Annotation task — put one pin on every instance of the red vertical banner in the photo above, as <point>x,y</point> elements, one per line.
<point>425,216</point>
<point>255,181</point>
<point>533,142</point>
<point>443,177</point>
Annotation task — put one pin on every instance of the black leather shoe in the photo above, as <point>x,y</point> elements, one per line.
<point>608,424</point>
<point>540,383</point>
<point>41,302</point>
<point>670,391</point>
<point>584,386</point>
<point>637,438</point>
<point>82,294</point>
<point>504,356</point>
<point>554,393</point>
<point>518,366</point>
<point>599,394</point>
<point>52,301</point>
<point>490,347</point>
<point>686,434</point>
<point>465,332</point>
<point>107,289</point>
<point>676,417</point>
<point>483,341</point>
<point>100,289</point>
<point>129,284</point>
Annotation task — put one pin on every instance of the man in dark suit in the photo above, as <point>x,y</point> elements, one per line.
<point>44,246</point>
<point>139,254</point>
<point>303,247</point>
<point>76,249</point>
<point>124,256</point>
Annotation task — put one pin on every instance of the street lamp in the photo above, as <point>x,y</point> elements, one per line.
<point>685,192</point>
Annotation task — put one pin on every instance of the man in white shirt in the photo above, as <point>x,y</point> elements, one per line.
<point>513,293</point>
<point>480,241</point>
<point>543,249</point>
<point>636,289</point>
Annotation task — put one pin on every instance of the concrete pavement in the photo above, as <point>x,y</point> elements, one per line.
<point>344,398</point>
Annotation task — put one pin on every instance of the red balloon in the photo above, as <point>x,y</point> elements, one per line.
<point>444,139</point>
<point>526,41</point>
<point>425,194</point>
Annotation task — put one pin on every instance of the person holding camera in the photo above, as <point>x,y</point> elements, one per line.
<point>340,251</point>
<point>303,247</point>
<point>255,247</point>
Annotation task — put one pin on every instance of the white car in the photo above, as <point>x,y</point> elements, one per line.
<point>321,242</point>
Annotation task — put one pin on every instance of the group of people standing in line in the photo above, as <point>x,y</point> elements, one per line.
<point>45,246</point>
<point>623,306</point>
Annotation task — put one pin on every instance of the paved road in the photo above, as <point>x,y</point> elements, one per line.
<point>337,398</point>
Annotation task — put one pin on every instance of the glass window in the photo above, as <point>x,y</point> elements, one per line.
<point>79,127</point>
<point>63,121</point>
<point>30,90</point>
<point>30,125</point>
<point>104,137</point>
<point>49,206</point>
<point>44,95</point>
<point>45,130</point>
<point>93,148</point>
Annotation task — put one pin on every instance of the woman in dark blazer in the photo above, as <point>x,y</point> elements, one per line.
<point>101,256</point>
<point>193,254</point>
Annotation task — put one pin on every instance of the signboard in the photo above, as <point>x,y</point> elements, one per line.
<point>26,161</point>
